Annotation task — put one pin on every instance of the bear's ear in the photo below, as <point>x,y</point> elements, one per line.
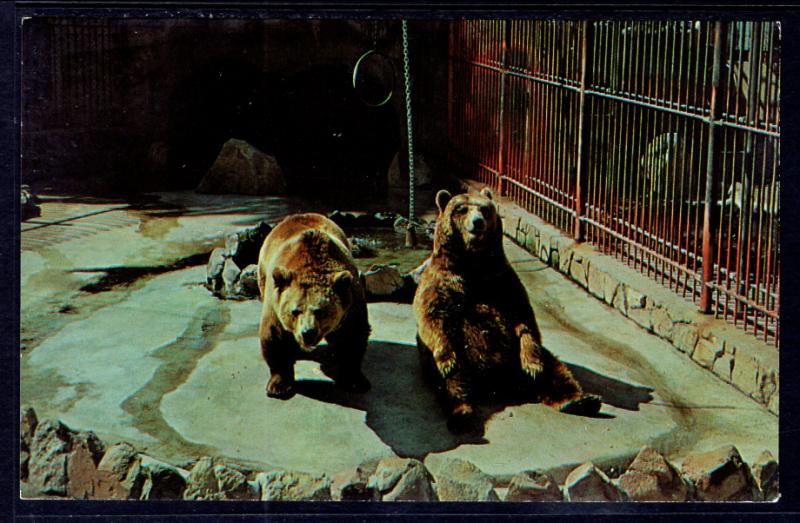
<point>487,192</point>
<point>442,197</point>
<point>342,281</point>
<point>282,278</point>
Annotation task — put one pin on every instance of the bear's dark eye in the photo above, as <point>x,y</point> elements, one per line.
<point>461,209</point>
<point>296,312</point>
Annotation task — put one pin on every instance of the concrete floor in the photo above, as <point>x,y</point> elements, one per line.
<point>151,357</point>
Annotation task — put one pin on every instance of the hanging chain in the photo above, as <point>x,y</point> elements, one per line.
<point>411,176</point>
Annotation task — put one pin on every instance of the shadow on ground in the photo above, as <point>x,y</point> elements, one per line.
<point>404,412</point>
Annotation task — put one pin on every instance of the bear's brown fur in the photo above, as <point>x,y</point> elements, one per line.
<point>311,290</point>
<point>476,331</point>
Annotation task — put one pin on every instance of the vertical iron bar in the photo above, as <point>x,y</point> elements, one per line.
<point>504,35</point>
<point>580,182</point>
<point>708,247</point>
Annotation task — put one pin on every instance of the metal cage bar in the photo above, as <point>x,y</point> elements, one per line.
<point>657,141</point>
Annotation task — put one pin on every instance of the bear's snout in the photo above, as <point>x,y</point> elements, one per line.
<point>310,335</point>
<point>476,224</point>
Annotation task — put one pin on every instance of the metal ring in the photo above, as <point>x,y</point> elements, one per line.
<point>355,76</point>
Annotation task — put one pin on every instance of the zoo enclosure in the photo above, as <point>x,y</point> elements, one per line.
<point>656,141</point>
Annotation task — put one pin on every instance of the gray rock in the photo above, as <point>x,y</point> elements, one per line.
<point>234,485</point>
<point>47,467</point>
<point>240,168</point>
<point>460,480</point>
<point>216,264</point>
<point>533,485</point>
<point>650,477</point>
<point>765,474</point>
<point>720,475</point>
<point>29,207</point>
<point>86,451</point>
<point>27,427</point>
<point>383,280</point>
<point>588,483</point>
<point>232,243</point>
<point>249,244</point>
<point>352,485</point>
<point>402,479</point>
<point>230,277</point>
<point>248,280</point>
<point>121,475</point>
<point>162,480</point>
<point>293,486</point>
<point>202,481</point>
<point>24,458</point>
<point>209,480</point>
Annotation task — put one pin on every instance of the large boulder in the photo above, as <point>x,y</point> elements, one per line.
<point>588,483</point>
<point>353,484</point>
<point>293,486</point>
<point>47,467</point>
<point>533,485</point>
<point>63,462</point>
<point>402,479</point>
<point>460,480</point>
<point>211,479</point>
<point>720,475</point>
<point>162,480</point>
<point>650,477</point>
<point>120,474</point>
<point>240,168</point>
<point>765,474</point>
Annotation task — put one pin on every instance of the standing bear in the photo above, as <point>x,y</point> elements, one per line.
<point>476,332</point>
<point>311,290</point>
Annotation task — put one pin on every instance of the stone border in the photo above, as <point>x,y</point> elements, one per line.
<point>57,462</point>
<point>748,364</point>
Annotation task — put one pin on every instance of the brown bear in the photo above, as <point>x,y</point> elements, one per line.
<point>476,331</point>
<point>311,291</point>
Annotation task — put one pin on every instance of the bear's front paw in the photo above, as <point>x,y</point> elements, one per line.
<point>462,419</point>
<point>280,388</point>
<point>445,362</point>
<point>356,382</point>
<point>531,356</point>
<point>587,405</point>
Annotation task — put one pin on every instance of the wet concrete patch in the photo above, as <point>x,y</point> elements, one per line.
<point>179,359</point>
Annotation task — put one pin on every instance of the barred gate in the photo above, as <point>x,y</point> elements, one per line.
<point>657,141</point>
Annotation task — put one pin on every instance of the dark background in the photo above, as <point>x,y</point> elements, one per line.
<point>114,105</point>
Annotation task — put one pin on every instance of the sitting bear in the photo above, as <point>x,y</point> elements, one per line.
<point>311,290</point>
<point>476,331</point>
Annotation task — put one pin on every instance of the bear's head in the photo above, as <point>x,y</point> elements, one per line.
<point>310,305</point>
<point>468,222</point>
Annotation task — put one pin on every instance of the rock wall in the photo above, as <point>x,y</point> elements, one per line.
<point>56,461</point>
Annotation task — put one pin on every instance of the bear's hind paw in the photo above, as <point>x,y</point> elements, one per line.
<point>280,388</point>
<point>587,405</point>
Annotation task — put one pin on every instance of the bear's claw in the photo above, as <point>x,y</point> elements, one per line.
<point>445,362</point>
<point>587,405</point>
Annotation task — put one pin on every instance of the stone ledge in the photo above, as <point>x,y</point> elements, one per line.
<point>736,357</point>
